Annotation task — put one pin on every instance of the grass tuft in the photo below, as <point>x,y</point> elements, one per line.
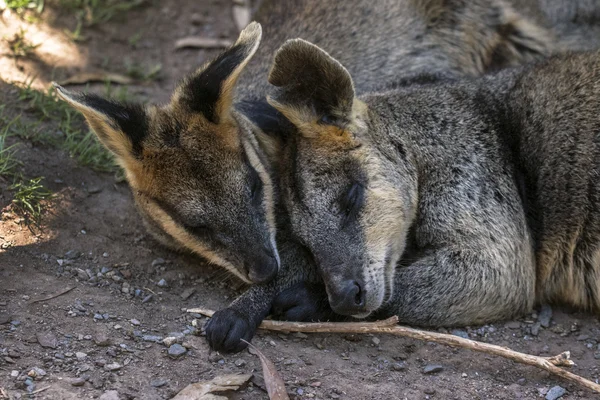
<point>29,199</point>
<point>72,135</point>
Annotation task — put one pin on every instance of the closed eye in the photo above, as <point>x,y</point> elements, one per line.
<point>352,202</point>
<point>256,186</point>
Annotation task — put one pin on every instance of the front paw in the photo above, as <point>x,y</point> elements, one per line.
<point>306,302</point>
<point>225,330</point>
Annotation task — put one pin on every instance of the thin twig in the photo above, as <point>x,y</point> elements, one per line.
<point>388,326</point>
<point>67,290</point>
<point>39,390</point>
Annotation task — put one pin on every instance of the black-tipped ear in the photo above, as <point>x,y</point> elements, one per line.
<point>120,127</point>
<point>311,85</point>
<point>210,90</point>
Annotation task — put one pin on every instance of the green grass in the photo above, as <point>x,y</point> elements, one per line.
<point>141,72</point>
<point>19,45</point>
<point>93,12</point>
<point>72,134</point>
<point>28,200</point>
<point>8,162</point>
<point>20,6</point>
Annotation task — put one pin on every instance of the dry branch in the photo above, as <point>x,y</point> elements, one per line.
<point>388,326</point>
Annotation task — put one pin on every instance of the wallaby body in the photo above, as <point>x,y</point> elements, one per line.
<point>201,166</point>
<point>452,204</point>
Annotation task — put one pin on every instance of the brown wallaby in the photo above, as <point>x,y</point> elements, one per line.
<point>201,166</point>
<point>449,204</point>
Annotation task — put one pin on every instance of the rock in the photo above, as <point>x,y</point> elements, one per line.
<point>399,366</point>
<point>460,333</point>
<point>545,315</point>
<point>36,373</point>
<point>4,318</point>
<point>80,355</point>
<point>110,395</point>
<point>72,255</point>
<point>77,381</point>
<point>429,391</point>
<point>535,329</point>
<point>582,338</point>
<point>14,373</point>
<point>158,261</point>
<point>152,338</point>
<point>171,340</point>
<point>240,362</point>
<point>513,325</point>
<point>158,383</point>
<point>555,393</point>
<point>147,299</point>
<point>113,367</point>
<point>94,190</point>
<point>162,283</point>
<point>134,322</point>
<point>376,341</point>
<point>301,335</point>
<point>47,339</point>
<point>187,293</point>
<point>101,340</point>
<point>432,369</point>
<point>176,351</point>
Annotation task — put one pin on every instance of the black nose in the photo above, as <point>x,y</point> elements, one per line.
<point>349,299</point>
<point>262,266</point>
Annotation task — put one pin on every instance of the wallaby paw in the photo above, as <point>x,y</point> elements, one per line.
<point>306,302</point>
<point>225,330</point>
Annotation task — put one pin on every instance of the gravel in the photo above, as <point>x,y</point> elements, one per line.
<point>545,315</point>
<point>176,351</point>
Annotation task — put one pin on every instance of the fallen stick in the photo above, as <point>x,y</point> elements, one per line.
<point>67,290</point>
<point>389,326</point>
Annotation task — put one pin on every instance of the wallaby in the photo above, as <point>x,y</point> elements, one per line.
<point>450,204</point>
<point>200,167</point>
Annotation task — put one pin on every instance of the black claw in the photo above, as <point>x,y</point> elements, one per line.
<point>225,330</point>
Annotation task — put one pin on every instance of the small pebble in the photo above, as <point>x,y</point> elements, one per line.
<point>134,322</point>
<point>460,333</point>
<point>162,283</point>
<point>147,299</point>
<point>77,382</point>
<point>113,367</point>
<point>157,262</point>
<point>110,395</point>
<point>14,373</point>
<point>555,393</point>
<point>432,369</point>
<point>176,351</point>
<point>545,315</point>
<point>158,383</point>
<point>240,362</point>
<point>399,366</point>
<point>376,341</point>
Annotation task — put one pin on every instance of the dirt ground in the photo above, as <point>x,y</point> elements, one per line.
<point>103,337</point>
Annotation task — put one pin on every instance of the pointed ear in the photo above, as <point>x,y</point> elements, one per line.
<point>210,90</point>
<point>120,127</point>
<point>313,89</point>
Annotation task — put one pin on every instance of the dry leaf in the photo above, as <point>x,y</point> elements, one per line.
<point>202,42</point>
<point>273,381</point>
<point>241,15</point>
<point>86,77</point>
<point>204,390</point>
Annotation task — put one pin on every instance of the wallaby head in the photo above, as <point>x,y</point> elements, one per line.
<point>346,205</point>
<point>195,168</point>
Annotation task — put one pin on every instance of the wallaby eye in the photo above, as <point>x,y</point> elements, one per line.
<point>256,186</point>
<point>352,201</point>
<point>202,231</point>
<point>328,120</point>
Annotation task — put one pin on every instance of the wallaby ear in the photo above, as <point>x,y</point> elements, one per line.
<point>210,90</point>
<point>120,127</point>
<point>312,87</point>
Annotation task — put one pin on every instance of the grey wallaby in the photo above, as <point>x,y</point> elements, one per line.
<point>449,204</point>
<point>201,167</point>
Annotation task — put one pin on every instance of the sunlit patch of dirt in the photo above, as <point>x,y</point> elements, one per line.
<point>51,49</point>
